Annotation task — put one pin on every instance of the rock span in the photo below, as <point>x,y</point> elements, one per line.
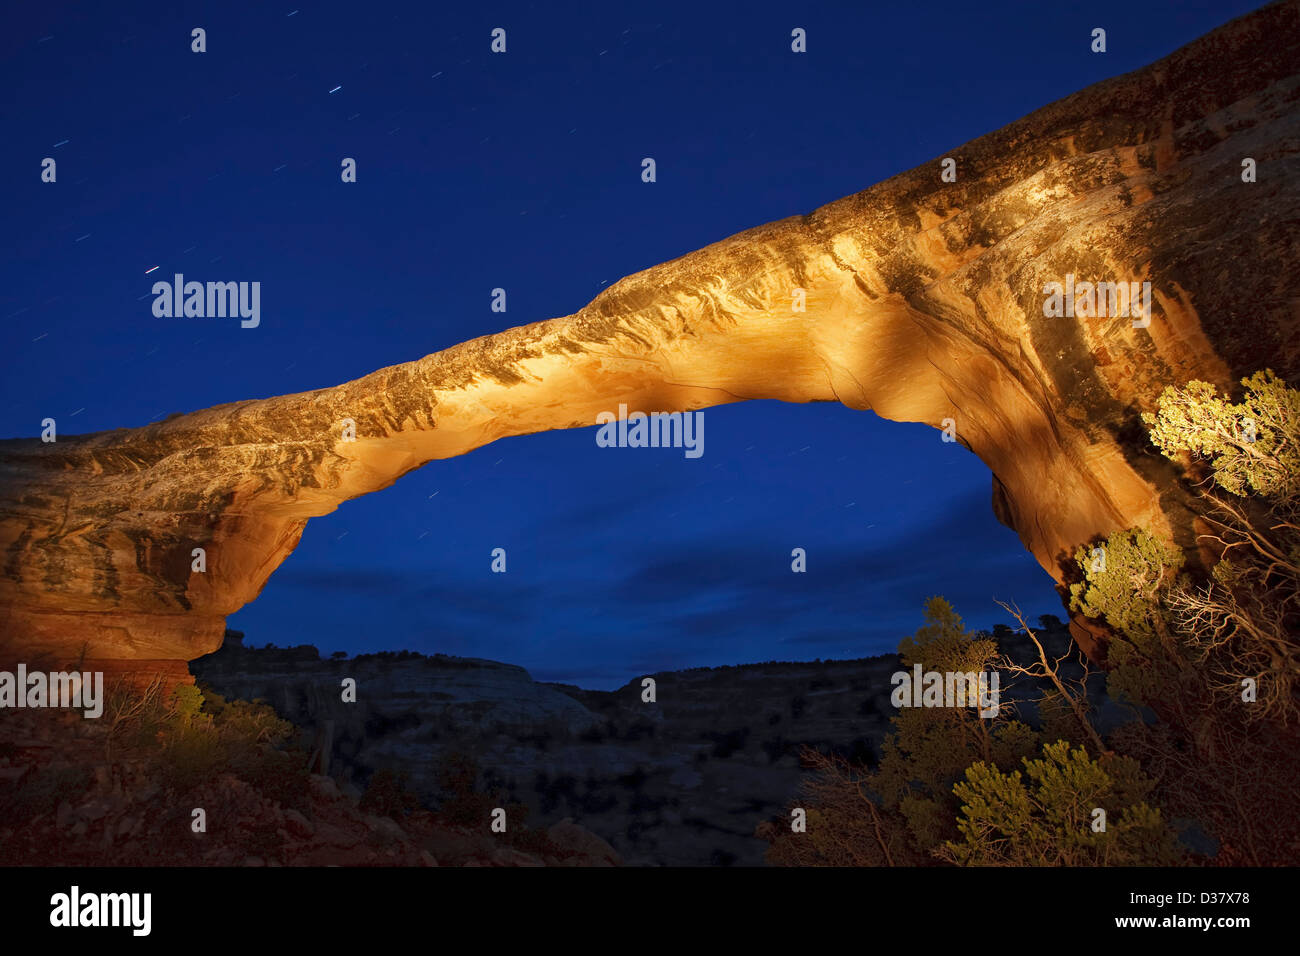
<point>924,301</point>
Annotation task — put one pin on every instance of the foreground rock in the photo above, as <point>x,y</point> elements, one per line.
<point>924,303</point>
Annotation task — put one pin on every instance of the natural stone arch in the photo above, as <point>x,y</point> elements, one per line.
<point>924,302</point>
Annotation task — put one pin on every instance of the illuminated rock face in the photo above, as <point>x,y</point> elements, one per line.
<point>924,302</point>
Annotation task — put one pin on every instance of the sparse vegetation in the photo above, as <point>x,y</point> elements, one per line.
<point>189,735</point>
<point>389,794</point>
<point>1210,661</point>
<point>1067,808</point>
<point>948,786</point>
<point>1216,656</point>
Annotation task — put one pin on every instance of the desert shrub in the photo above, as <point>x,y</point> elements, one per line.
<point>846,823</point>
<point>465,803</point>
<point>1127,590</point>
<point>946,784</point>
<point>1123,582</point>
<point>1216,656</point>
<point>1243,619</point>
<point>134,716</point>
<point>901,812</point>
<point>189,758</point>
<point>931,747</point>
<point>1253,445</point>
<point>1046,816</point>
<point>252,721</point>
<point>190,735</point>
<point>462,802</point>
<point>389,794</point>
<point>280,775</point>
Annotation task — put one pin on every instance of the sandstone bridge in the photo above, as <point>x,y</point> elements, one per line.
<point>924,301</point>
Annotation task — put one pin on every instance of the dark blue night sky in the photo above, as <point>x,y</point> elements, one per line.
<point>521,171</point>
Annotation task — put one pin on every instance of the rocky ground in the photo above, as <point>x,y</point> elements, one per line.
<point>65,801</point>
<point>588,777</point>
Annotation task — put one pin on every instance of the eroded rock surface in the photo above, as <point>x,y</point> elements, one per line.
<point>924,302</point>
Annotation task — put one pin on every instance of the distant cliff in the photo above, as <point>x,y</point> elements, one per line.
<point>682,781</point>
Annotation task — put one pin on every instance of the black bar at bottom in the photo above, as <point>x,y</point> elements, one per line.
<point>331,905</point>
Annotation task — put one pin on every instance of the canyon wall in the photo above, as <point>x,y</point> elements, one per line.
<point>924,302</point>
